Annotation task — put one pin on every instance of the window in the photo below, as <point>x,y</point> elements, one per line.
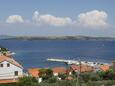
<point>8,65</point>
<point>1,65</point>
<point>16,73</point>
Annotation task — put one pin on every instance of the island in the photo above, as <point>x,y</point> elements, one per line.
<point>6,37</point>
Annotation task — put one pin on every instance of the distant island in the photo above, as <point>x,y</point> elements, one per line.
<point>6,37</point>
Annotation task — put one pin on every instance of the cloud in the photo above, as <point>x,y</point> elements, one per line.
<point>36,16</point>
<point>93,18</point>
<point>15,19</point>
<point>51,20</point>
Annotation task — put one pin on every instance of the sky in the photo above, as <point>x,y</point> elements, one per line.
<point>57,17</point>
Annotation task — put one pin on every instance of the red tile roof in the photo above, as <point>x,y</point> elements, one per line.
<point>59,70</point>
<point>10,60</point>
<point>82,68</point>
<point>34,72</point>
<point>104,67</point>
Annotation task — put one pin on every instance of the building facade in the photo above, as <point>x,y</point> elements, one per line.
<point>9,68</point>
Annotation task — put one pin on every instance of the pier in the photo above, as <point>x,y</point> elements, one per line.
<point>77,62</point>
<point>64,61</point>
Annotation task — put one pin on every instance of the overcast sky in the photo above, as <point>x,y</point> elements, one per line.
<point>57,17</point>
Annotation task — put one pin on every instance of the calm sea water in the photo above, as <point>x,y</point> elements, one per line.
<point>35,52</point>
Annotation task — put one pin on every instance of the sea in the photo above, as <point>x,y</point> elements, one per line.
<point>34,53</point>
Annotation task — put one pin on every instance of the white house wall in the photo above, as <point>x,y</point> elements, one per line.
<point>8,72</point>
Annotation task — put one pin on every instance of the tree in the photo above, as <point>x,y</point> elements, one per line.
<point>45,74</point>
<point>62,76</point>
<point>49,72</point>
<point>3,50</point>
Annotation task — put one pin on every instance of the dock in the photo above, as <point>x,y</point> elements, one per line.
<point>64,61</point>
<point>77,62</point>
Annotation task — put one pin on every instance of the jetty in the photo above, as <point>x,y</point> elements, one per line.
<point>64,61</point>
<point>77,62</point>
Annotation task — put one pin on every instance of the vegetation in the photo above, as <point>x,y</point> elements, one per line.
<point>3,50</point>
<point>108,75</point>
<point>85,79</point>
<point>62,76</point>
<point>45,74</point>
<point>26,81</point>
<point>64,83</point>
<point>99,78</point>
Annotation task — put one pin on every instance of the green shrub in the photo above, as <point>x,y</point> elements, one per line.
<point>27,81</point>
<point>52,80</point>
<point>62,76</point>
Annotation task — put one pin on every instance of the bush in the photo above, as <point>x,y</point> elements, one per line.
<point>27,81</point>
<point>62,76</point>
<point>52,80</point>
<point>90,77</point>
<point>108,75</point>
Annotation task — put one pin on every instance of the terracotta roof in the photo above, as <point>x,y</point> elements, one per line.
<point>34,72</point>
<point>10,60</point>
<point>104,67</point>
<point>8,81</point>
<point>83,68</point>
<point>59,70</point>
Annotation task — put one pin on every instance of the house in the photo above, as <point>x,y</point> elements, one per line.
<point>10,69</point>
<point>59,70</point>
<point>34,72</point>
<point>104,67</point>
<point>81,68</point>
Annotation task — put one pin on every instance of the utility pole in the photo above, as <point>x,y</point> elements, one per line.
<point>79,74</point>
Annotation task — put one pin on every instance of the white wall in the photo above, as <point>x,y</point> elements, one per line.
<point>8,72</point>
<point>55,74</point>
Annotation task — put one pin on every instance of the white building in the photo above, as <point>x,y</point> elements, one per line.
<point>9,68</point>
